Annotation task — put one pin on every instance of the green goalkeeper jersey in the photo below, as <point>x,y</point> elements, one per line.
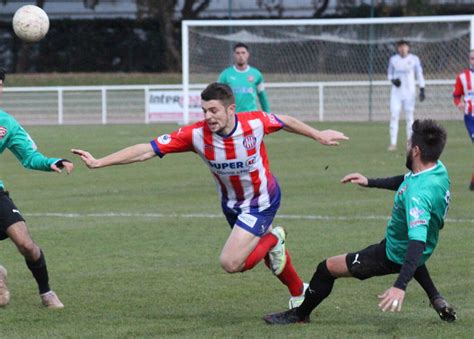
<point>246,86</point>
<point>19,142</point>
<point>418,213</point>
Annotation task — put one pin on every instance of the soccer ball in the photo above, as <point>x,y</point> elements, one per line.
<point>30,23</point>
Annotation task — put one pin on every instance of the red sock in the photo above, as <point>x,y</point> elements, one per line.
<point>289,277</point>
<point>266,243</point>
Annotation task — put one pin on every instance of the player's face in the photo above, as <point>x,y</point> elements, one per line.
<point>471,59</point>
<point>241,56</point>
<point>403,50</point>
<point>219,119</point>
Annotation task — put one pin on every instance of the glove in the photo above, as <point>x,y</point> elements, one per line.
<point>422,95</point>
<point>60,163</point>
<point>396,82</point>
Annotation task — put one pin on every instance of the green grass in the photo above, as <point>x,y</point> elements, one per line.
<point>146,276</point>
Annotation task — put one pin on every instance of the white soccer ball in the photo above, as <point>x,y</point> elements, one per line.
<point>30,23</point>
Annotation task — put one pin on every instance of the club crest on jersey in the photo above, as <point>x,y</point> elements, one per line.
<point>164,139</point>
<point>249,142</point>
<point>3,132</point>
<point>250,78</point>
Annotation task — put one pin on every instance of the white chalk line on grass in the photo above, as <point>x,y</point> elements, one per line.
<point>215,216</point>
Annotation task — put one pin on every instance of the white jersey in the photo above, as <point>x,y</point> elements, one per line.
<point>405,70</point>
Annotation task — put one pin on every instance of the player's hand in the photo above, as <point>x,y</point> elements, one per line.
<point>88,159</point>
<point>422,95</point>
<point>330,138</point>
<point>391,300</point>
<point>59,165</point>
<point>355,178</point>
<point>396,82</point>
<point>460,106</point>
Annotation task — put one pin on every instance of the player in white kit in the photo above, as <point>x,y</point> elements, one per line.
<point>402,69</point>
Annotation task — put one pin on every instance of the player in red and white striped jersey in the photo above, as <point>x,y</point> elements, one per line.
<point>232,147</point>
<point>463,95</point>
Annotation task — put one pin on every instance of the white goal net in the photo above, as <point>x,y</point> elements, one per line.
<point>334,69</point>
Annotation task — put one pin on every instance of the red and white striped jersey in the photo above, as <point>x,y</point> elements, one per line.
<point>464,88</point>
<point>238,161</point>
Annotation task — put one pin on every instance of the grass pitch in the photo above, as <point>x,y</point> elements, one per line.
<point>133,250</point>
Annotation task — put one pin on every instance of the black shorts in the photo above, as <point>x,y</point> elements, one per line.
<point>371,262</point>
<point>9,214</point>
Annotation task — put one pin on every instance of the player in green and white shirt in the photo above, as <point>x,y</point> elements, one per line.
<point>246,82</point>
<point>418,213</point>
<point>12,225</point>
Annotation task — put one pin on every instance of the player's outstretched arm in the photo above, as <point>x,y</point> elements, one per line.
<point>136,153</point>
<point>355,178</point>
<point>391,183</point>
<point>326,137</point>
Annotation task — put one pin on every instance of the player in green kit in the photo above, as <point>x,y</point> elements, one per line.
<point>418,213</point>
<point>12,225</point>
<point>246,82</point>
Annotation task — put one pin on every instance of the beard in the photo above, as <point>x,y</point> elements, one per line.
<point>409,161</point>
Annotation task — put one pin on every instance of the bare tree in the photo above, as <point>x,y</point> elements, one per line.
<point>165,12</point>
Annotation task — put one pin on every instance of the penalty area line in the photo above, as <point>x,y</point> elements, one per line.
<point>216,216</point>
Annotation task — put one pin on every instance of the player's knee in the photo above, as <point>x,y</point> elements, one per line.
<point>230,265</point>
<point>28,249</point>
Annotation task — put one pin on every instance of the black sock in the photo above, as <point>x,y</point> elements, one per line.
<point>319,289</point>
<point>40,273</point>
<point>423,277</point>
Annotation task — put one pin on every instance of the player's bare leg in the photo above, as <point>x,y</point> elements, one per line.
<point>35,261</point>
<point>244,250</point>
<point>4,292</point>
<point>237,248</point>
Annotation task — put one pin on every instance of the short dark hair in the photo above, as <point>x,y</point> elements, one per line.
<point>402,42</point>
<point>241,44</point>
<point>218,91</point>
<point>2,73</point>
<point>430,137</point>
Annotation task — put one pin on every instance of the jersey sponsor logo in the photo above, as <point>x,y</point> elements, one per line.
<point>242,90</point>
<point>209,147</point>
<point>233,167</point>
<point>250,78</point>
<point>417,223</point>
<point>248,219</point>
<point>416,213</point>
<point>164,139</point>
<point>3,132</point>
<point>250,142</point>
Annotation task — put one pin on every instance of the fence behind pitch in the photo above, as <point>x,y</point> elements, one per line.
<point>310,101</point>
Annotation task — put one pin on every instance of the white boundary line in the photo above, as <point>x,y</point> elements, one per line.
<point>215,216</point>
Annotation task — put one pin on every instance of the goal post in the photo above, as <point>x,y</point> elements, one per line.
<point>331,69</point>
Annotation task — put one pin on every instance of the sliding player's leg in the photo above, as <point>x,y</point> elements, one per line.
<point>364,264</point>
<point>445,311</point>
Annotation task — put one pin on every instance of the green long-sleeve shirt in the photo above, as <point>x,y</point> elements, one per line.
<point>18,141</point>
<point>246,86</point>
